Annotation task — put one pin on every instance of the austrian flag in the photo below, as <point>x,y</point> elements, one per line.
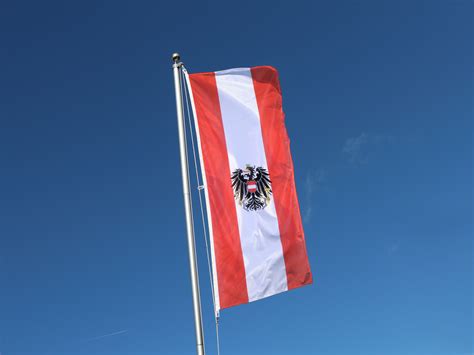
<point>257,240</point>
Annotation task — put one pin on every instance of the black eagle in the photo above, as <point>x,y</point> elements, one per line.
<point>252,199</point>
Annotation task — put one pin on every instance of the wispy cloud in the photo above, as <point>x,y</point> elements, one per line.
<point>354,148</point>
<point>393,248</point>
<point>313,181</point>
<point>106,336</point>
<point>357,149</point>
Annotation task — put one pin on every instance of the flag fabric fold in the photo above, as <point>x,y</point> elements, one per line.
<point>257,241</point>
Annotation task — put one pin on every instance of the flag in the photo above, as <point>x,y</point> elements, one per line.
<point>257,240</point>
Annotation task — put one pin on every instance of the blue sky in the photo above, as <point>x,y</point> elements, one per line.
<point>378,101</point>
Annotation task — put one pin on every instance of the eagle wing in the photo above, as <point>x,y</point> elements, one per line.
<point>239,185</point>
<point>263,182</point>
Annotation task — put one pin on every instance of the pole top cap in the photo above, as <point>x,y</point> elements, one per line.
<point>176,57</point>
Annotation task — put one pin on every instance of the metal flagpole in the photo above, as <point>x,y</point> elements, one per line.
<point>187,206</point>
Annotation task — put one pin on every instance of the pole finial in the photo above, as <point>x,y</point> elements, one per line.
<point>176,57</point>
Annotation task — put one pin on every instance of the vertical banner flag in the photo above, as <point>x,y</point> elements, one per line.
<point>257,240</point>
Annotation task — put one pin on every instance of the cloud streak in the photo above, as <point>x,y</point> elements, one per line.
<point>357,149</point>
<point>393,248</point>
<point>312,182</point>
<point>354,148</point>
<point>106,335</point>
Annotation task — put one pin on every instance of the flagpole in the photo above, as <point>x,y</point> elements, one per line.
<point>187,206</point>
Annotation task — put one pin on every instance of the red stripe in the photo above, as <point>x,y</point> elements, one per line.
<point>228,251</point>
<point>280,167</point>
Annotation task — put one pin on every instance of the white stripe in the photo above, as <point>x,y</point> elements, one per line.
<point>259,232</point>
<point>206,194</point>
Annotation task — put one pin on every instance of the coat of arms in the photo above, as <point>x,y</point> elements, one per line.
<point>252,187</point>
